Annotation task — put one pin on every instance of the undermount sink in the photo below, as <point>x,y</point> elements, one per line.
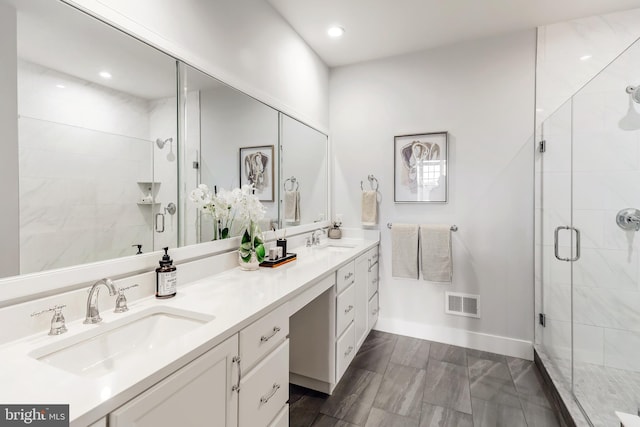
<point>110,346</point>
<point>335,247</point>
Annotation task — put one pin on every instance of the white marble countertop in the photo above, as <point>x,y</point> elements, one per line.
<point>236,298</point>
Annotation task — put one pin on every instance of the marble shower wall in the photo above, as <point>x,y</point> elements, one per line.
<point>593,164</point>
<point>83,148</point>
<point>162,124</point>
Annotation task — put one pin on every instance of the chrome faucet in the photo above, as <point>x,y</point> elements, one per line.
<point>93,314</point>
<point>315,240</point>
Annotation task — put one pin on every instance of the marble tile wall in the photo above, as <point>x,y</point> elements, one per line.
<point>83,147</point>
<point>590,171</point>
<point>162,124</point>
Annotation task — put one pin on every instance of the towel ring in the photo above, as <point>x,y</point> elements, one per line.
<point>293,182</point>
<point>371,179</point>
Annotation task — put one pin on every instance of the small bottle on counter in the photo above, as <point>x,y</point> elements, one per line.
<point>166,277</point>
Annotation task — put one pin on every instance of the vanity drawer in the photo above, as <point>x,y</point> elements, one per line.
<point>345,309</point>
<point>265,390</point>
<point>373,277</point>
<point>282,419</point>
<point>345,276</point>
<point>373,255</point>
<point>345,350</point>
<point>263,335</point>
<point>374,309</point>
<point>373,282</point>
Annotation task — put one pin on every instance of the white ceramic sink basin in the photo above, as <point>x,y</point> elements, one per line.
<point>335,247</point>
<point>110,346</point>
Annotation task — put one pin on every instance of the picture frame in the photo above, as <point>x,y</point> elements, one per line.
<point>257,167</point>
<point>421,168</point>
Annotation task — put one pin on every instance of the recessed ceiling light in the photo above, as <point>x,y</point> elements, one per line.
<point>60,86</point>
<point>105,74</point>
<point>335,31</point>
<point>585,57</point>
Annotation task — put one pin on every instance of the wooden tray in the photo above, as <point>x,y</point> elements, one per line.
<point>285,259</point>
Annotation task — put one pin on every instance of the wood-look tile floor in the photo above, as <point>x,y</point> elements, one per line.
<point>397,381</point>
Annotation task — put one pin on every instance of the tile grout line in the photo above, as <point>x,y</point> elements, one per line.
<point>515,387</point>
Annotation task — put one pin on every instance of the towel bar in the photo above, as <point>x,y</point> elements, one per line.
<point>453,227</point>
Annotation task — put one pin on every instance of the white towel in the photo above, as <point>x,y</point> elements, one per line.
<point>435,248</point>
<point>369,207</point>
<point>404,250</point>
<point>292,206</point>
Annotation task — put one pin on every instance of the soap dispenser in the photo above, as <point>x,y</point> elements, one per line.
<point>166,277</point>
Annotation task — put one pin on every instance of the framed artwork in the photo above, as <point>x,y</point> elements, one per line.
<point>256,167</point>
<point>421,168</point>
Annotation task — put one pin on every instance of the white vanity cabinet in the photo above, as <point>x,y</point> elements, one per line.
<point>327,333</point>
<point>264,359</point>
<point>201,393</point>
<point>361,293</point>
<point>242,382</point>
<point>373,280</point>
<point>366,290</point>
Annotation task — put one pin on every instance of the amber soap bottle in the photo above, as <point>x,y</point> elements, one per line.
<point>166,277</point>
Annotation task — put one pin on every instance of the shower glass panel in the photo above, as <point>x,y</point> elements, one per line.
<point>553,210</point>
<point>588,174</point>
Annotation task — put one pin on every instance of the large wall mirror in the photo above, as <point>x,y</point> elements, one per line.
<point>96,120</point>
<point>231,139</point>
<point>109,148</point>
<point>304,173</point>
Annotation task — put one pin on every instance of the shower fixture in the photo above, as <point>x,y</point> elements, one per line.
<point>162,142</point>
<point>633,91</point>
<point>631,120</point>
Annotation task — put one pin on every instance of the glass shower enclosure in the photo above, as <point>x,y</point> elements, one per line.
<point>587,243</point>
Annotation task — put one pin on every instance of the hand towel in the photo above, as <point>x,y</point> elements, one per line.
<point>369,207</point>
<point>435,248</point>
<point>404,250</point>
<point>292,206</point>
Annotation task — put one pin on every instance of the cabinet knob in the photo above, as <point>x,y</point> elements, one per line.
<point>349,350</point>
<point>348,309</point>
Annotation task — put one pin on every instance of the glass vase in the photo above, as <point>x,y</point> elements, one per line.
<point>251,265</point>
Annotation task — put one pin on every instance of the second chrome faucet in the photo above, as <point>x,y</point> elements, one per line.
<point>93,314</point>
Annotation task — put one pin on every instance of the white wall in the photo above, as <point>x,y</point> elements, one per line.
<point>482,93</point>
<point>10,224</point>
<point>244,43</point>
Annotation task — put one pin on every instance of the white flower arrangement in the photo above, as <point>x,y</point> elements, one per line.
<point>238,206</point>
<point>225,207</point>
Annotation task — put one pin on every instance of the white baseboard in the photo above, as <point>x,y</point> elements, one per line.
<point>460,337</point>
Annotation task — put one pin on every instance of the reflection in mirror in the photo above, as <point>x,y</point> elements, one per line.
<point>304,173</point>
<point>230,140</point>
<point>96,135</point>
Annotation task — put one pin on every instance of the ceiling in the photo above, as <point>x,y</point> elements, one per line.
<point>382,28</point>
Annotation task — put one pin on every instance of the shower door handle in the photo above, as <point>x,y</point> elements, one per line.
<point>577,257</point>
<point>159,222</point>
<point>556,248</point>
